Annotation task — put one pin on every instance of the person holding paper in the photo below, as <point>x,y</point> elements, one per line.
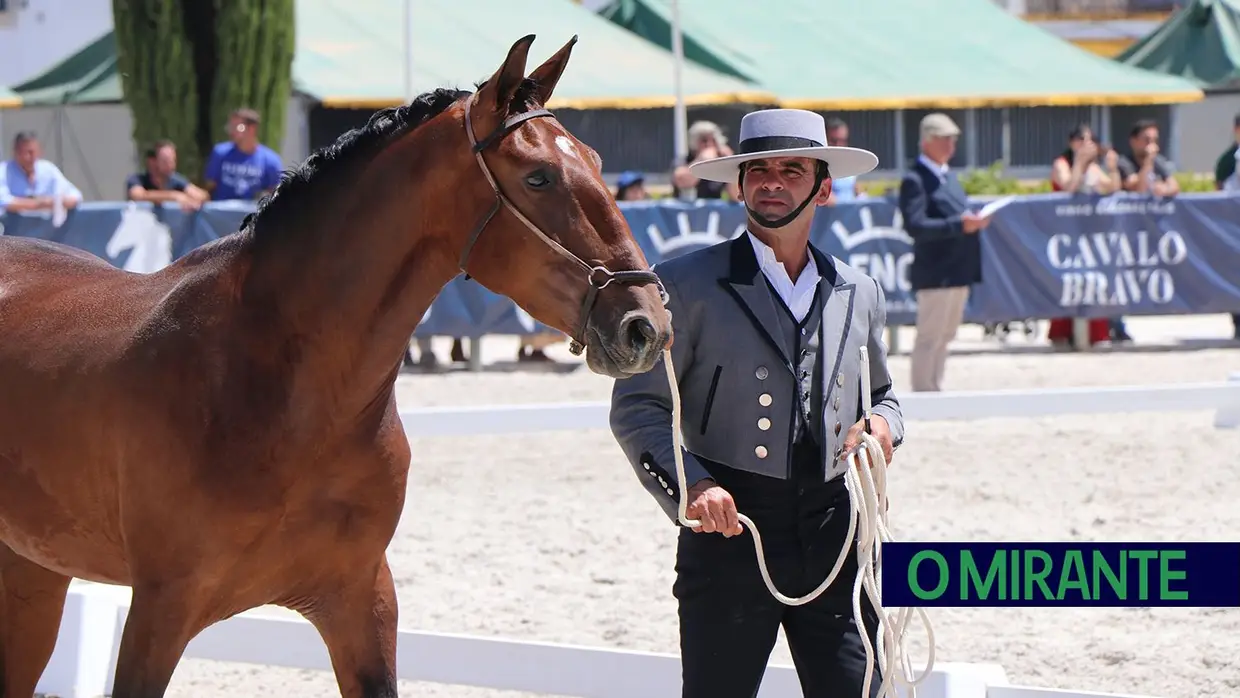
<point>947,255</point>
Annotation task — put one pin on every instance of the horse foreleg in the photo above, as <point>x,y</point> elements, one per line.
<point>161,622</point>
<point>31,605</point>
<point>358,624</point>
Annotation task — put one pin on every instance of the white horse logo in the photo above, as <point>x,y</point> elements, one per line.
<point>149,241</point>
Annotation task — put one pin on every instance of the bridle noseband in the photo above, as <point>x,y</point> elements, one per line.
<point>598,277</point>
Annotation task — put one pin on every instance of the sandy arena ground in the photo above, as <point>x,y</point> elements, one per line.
<point>556,540</point>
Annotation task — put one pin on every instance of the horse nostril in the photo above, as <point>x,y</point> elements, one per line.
<point>640,333</point>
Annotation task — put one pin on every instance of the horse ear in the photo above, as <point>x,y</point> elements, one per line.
<point>548,74</point>
<point>504,83</point>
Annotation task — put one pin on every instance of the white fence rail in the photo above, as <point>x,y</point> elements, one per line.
<point>84,662</point>
<point>85,656</point>
<point>1222,397</point>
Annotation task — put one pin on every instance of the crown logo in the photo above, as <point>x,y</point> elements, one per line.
<point>688,237</point>
<point>868,232</point>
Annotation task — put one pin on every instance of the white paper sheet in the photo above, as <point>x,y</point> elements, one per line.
<point>989,209</point>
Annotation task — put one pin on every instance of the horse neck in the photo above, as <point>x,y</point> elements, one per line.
<point>347,284</point>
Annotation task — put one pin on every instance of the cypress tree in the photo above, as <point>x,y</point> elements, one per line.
<point>156,67</point>
<point>255,45</point>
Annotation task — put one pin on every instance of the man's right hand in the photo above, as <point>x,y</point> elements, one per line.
<point>714,508</point>
<point>971,223</point>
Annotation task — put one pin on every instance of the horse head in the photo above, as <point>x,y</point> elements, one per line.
<point>553,238</point>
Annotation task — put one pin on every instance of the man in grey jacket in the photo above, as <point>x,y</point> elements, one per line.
<point>768,337</point>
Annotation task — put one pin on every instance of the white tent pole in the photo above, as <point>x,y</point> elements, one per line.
<point>680,119</point>
<point>408,46</point>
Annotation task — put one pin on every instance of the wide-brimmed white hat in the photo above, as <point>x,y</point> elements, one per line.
<point>785,133</point>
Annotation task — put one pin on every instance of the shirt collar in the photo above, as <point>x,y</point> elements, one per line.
<point>768,262</point>
<point>940,170</point>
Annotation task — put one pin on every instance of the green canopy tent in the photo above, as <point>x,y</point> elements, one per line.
<point>350,54</point>
<point>895,54</point>
<point>1200,43</point>
<point>86,77</point>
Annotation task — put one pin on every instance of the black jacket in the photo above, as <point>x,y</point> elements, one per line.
<point>943,255</point>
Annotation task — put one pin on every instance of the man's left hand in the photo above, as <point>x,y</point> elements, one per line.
<point>879,429</point>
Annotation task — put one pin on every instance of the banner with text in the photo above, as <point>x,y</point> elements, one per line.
<point>1043,256</point>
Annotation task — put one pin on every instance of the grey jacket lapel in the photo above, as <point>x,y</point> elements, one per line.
<point>837,311</point>
<point>748,286</point>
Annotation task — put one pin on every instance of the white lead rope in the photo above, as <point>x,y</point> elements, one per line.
<point>866,481</point>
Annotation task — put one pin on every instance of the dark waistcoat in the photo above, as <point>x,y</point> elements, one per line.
<point>805,339</point>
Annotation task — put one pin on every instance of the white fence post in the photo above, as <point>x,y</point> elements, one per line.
<point>1228,416</point>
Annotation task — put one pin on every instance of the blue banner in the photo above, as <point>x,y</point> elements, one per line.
<point>1061,574</point>
<point>1045,256</point>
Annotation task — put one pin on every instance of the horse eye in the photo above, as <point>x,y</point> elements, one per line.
<point>537,179</point>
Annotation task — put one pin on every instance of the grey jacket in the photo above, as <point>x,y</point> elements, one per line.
<point>733,372</point>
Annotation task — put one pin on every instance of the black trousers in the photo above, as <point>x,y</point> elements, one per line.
<point>729,621</point>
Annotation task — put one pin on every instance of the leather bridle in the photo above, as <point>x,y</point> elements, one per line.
<point>597,277</point>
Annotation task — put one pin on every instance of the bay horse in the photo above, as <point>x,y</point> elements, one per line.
<point>223,433</point>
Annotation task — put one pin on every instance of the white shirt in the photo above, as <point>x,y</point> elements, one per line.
<point>940,170</point>
<point>798,296</point>
<point>1233,182</point>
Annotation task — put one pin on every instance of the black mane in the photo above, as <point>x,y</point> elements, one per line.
<point>355,146</point>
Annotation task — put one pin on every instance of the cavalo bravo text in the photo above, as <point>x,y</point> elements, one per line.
<point>1117,268</point>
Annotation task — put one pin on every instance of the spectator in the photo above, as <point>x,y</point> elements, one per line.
<point>1077,168</point>
<point>631,186</point>
<point>706,141</point>
<point>242,168</point>
<point>844,188</point>
<point>30,183</point>
<point>161,183</point>
<point>947,255</point>
<point>1145,170</point>
<point>1143,167</point>
<point>1227,178</point>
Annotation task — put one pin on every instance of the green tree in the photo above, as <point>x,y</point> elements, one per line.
<point>156,66</point>
<point>186,64</point>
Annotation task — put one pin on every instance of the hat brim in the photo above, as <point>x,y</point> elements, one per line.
<point>842,161</point>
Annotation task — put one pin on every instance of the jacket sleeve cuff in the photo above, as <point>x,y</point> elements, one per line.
<point>895,421</point>
<point>660,480</point>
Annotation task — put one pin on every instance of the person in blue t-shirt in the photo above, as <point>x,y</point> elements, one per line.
<point>242,168</point>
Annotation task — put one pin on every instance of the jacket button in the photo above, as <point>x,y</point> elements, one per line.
<point>761,373</point>
<point>764,399</point>
<point>838,426</point>
<point>839,380</point>
<point>764,424</point>
<point>760,451</point>
<point>836,404</point>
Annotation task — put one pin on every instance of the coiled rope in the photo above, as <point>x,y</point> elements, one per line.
<point>866,481</point>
